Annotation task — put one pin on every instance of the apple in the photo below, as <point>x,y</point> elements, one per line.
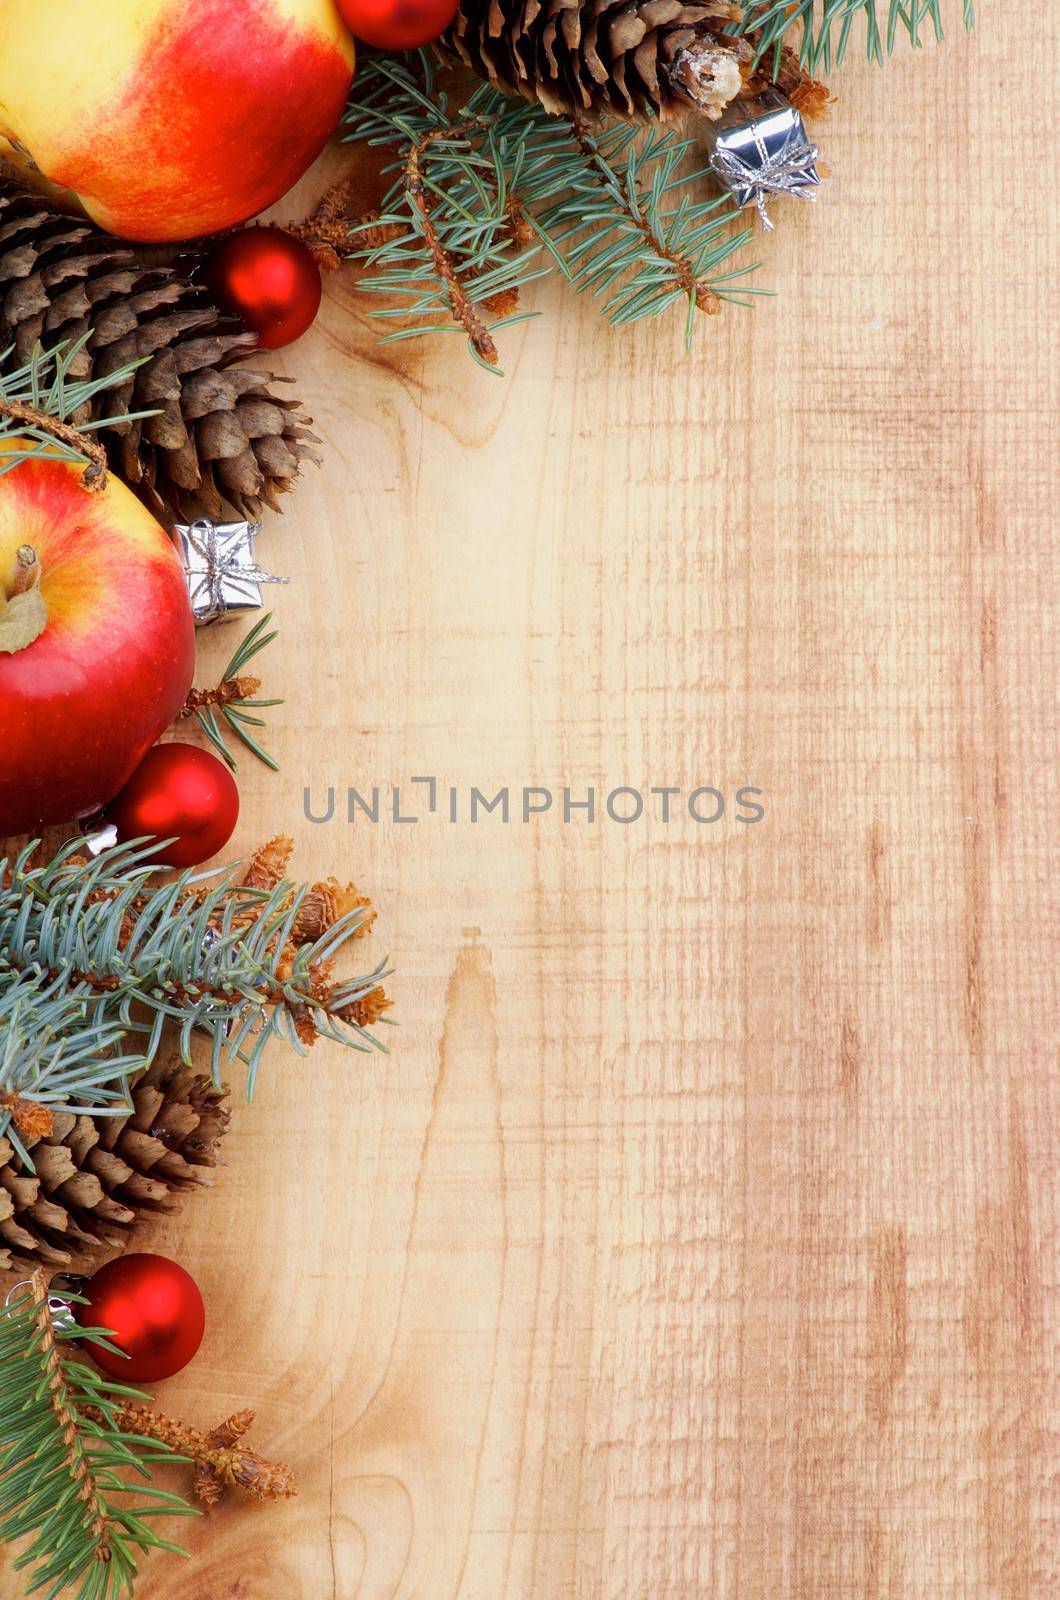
<point>169,119</point>
<point>97,641</point>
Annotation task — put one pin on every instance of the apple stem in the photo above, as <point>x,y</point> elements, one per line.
<point>26,569</point>
<point>23,609</point>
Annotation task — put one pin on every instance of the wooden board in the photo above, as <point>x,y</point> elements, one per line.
<point>700,1236</point>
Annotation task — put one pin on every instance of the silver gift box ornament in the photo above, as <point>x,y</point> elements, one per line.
<point>223,577</point>
<point>765,152</point>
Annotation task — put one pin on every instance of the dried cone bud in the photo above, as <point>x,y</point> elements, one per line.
<point>222,436</point>
<point>32,1121</point>
<point>324,905</point>
<point>96,1177</point>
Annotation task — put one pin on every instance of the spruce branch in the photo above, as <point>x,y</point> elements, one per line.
<point>43,410</point>
<point>825,27</point>
<point>65,1461</point>
<point>40,425</point>
<point>237,962</point>
<point>234,698</point>
<point>323,905</point>
<point>490,192</point>
<point>56,1055</point>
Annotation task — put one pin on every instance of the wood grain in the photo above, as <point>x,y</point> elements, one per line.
<point>700,1236</point>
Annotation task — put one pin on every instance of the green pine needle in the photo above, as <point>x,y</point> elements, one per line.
<point>73,1486</point>
<point>45,383</point>
<point>493,192</point>
<point>236,712</point>
<point>620,238</point>
<point>57,1052</point>
<point>825,27</point>
<point>204,954</point>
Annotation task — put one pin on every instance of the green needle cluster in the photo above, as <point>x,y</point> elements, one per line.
<point>824,28</point>
<point>72,1486</point>
<point>490,193</point>
<point>99,958</point>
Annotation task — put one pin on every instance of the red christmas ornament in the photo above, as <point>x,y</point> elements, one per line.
<point>397,24</point>
<point>155,1311</point>
<point>266,278</point>
<point>182,793</point>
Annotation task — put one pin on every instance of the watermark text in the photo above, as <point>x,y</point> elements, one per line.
<point>624,804</point>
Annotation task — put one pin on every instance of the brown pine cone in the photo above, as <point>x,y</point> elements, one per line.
<point>97,1176</point>
<point>222,436</point>
<point>630,57</point>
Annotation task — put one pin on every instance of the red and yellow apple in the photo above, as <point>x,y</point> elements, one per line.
<point>168,119</point>
<point>94,579</point>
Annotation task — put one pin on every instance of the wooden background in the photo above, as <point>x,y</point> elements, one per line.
<point>700,1236</point>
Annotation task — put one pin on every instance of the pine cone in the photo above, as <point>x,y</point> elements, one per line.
<point>221,436</point>
<point>97,1176</point>
<point>633,57</point>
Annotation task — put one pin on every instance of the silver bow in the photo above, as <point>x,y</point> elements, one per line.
<point>222,573</point>
<point>767,154</point>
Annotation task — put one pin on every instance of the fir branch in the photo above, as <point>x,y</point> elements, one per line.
<point>416,187</point>
<point>442,243</point>
<point>620,238</point>
<point>200,953</point>
<point>487,189</point>
<point>825,26</point>
<point>64,1460</point>
<point>638,208</point>
<point>42,410</point>
<point>234,698</point>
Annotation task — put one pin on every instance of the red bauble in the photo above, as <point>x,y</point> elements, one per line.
<point>155,1312</point>
<point>266,278</point>
<point>397,24</point>
<point>182,793</point>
